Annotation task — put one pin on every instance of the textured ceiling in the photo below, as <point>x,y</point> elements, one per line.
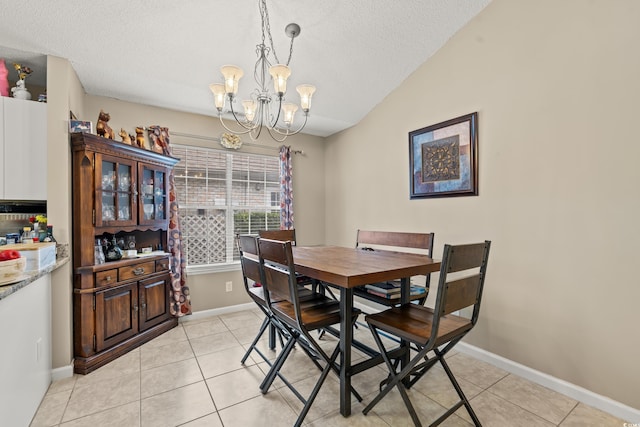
<point>165,52</point>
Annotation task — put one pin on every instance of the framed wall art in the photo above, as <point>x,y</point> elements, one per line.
<point>443,159</point>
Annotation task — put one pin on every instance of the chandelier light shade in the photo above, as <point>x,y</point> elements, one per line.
<point>266,108</point>
<point>306,92</point>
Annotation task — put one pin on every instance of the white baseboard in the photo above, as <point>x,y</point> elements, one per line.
<point>62,372</point>
<point>199,315</point>
<point>573,391</point>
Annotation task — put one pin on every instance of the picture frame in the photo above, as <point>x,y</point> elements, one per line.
<point>84,126</point>
<point>443,159</point>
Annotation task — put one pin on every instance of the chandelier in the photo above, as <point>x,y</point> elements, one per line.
<point>264,108</point>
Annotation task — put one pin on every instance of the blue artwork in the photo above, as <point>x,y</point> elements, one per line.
<point>443,159</point>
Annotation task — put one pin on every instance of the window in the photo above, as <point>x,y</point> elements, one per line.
<point>222,193</point>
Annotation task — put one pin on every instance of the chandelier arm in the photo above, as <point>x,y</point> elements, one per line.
<point>237,132</point>
<point>275,137</point>
<point>248,128</point>
<point>255,134</point>
<point>275,122</point>
<point>297,131</point>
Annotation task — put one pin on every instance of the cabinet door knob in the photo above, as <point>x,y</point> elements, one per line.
<point>138,271</point>
<point>135,308</point>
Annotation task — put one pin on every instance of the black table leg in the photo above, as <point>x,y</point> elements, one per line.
<point>346,337</point>
<point>272,337</point>
<point>405,295</point>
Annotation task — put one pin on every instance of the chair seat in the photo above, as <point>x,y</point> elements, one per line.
<point>316,312</point>
<point>413,322</point>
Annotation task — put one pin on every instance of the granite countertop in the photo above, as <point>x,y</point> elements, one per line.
<point>6,290</point>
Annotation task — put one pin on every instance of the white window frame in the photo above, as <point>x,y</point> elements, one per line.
<point>229,207</point>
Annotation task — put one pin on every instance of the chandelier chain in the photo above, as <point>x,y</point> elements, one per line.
<point>266,27</point>
<point>264,15</point>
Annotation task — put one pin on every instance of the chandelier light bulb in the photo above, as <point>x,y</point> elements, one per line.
<point>280,73</point>
<point>306,92</point>
<point>232,75</point>
<point>289,111</point>
<point>218,95</point>
<point>249,109</point>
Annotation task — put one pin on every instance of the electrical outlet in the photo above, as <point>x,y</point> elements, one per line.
<point>229,286</point>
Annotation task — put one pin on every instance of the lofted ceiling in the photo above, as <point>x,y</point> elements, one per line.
<point>165,53</point>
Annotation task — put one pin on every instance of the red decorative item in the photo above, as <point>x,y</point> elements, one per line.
<point>4,79</point>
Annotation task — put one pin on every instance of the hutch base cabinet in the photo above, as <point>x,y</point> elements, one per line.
<point>120,195</point>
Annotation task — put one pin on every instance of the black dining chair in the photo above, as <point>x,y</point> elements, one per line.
<point>252,273</point>
<point>421,243</point>
<point>435,330</point>
<point>290,236</point>
<point>299,317</point>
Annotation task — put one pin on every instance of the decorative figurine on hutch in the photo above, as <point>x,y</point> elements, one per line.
<point>20,91</point>
<point>140,137</point>
<point>113,251</point>
<point>102,128</point>
<point>126,138</point>
<point>4,79</point>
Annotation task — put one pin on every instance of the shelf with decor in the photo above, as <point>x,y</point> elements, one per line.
<point>120,195</point>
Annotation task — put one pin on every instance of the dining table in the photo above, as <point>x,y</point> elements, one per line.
<point>346,269</point>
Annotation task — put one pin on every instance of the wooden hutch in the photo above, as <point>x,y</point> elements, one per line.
<point>120,190</point>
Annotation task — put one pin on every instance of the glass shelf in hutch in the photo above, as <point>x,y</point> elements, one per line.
<point>115,195</point>
<point>154,203</point>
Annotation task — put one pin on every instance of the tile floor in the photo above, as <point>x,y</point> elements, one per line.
<point>192,376</point>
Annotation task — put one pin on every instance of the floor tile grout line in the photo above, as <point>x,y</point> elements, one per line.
<point>569,413</point>
<point>515,404</point>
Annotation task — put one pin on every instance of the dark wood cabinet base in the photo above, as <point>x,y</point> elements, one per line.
<point>85,365</point>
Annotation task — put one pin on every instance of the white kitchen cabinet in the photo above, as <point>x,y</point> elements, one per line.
<point>23,141</point>
<point>25,358</point>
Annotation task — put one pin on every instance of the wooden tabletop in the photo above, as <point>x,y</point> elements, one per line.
<point>350,267</point>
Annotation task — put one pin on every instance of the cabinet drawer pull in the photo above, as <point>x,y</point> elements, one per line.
<point>108,278</point>
<point>138,271</point>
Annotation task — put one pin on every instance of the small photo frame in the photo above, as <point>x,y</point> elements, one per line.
<point>443,159</point>
<point>80,126</point>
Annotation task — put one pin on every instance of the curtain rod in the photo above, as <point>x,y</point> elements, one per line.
<point>216,139</point>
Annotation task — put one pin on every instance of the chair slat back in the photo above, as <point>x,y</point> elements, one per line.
<point>466,257</point>
<point>248,244</point>
<point>248,248</point>
<point>461,294</point>
<point>276,259</point>
<point>399,241</point>
<point>281,235</point>
<point>396,239</point>
<point>454,295</point>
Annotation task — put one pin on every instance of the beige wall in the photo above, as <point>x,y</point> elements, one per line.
<point>64,93</point>
<point>556,88</point>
